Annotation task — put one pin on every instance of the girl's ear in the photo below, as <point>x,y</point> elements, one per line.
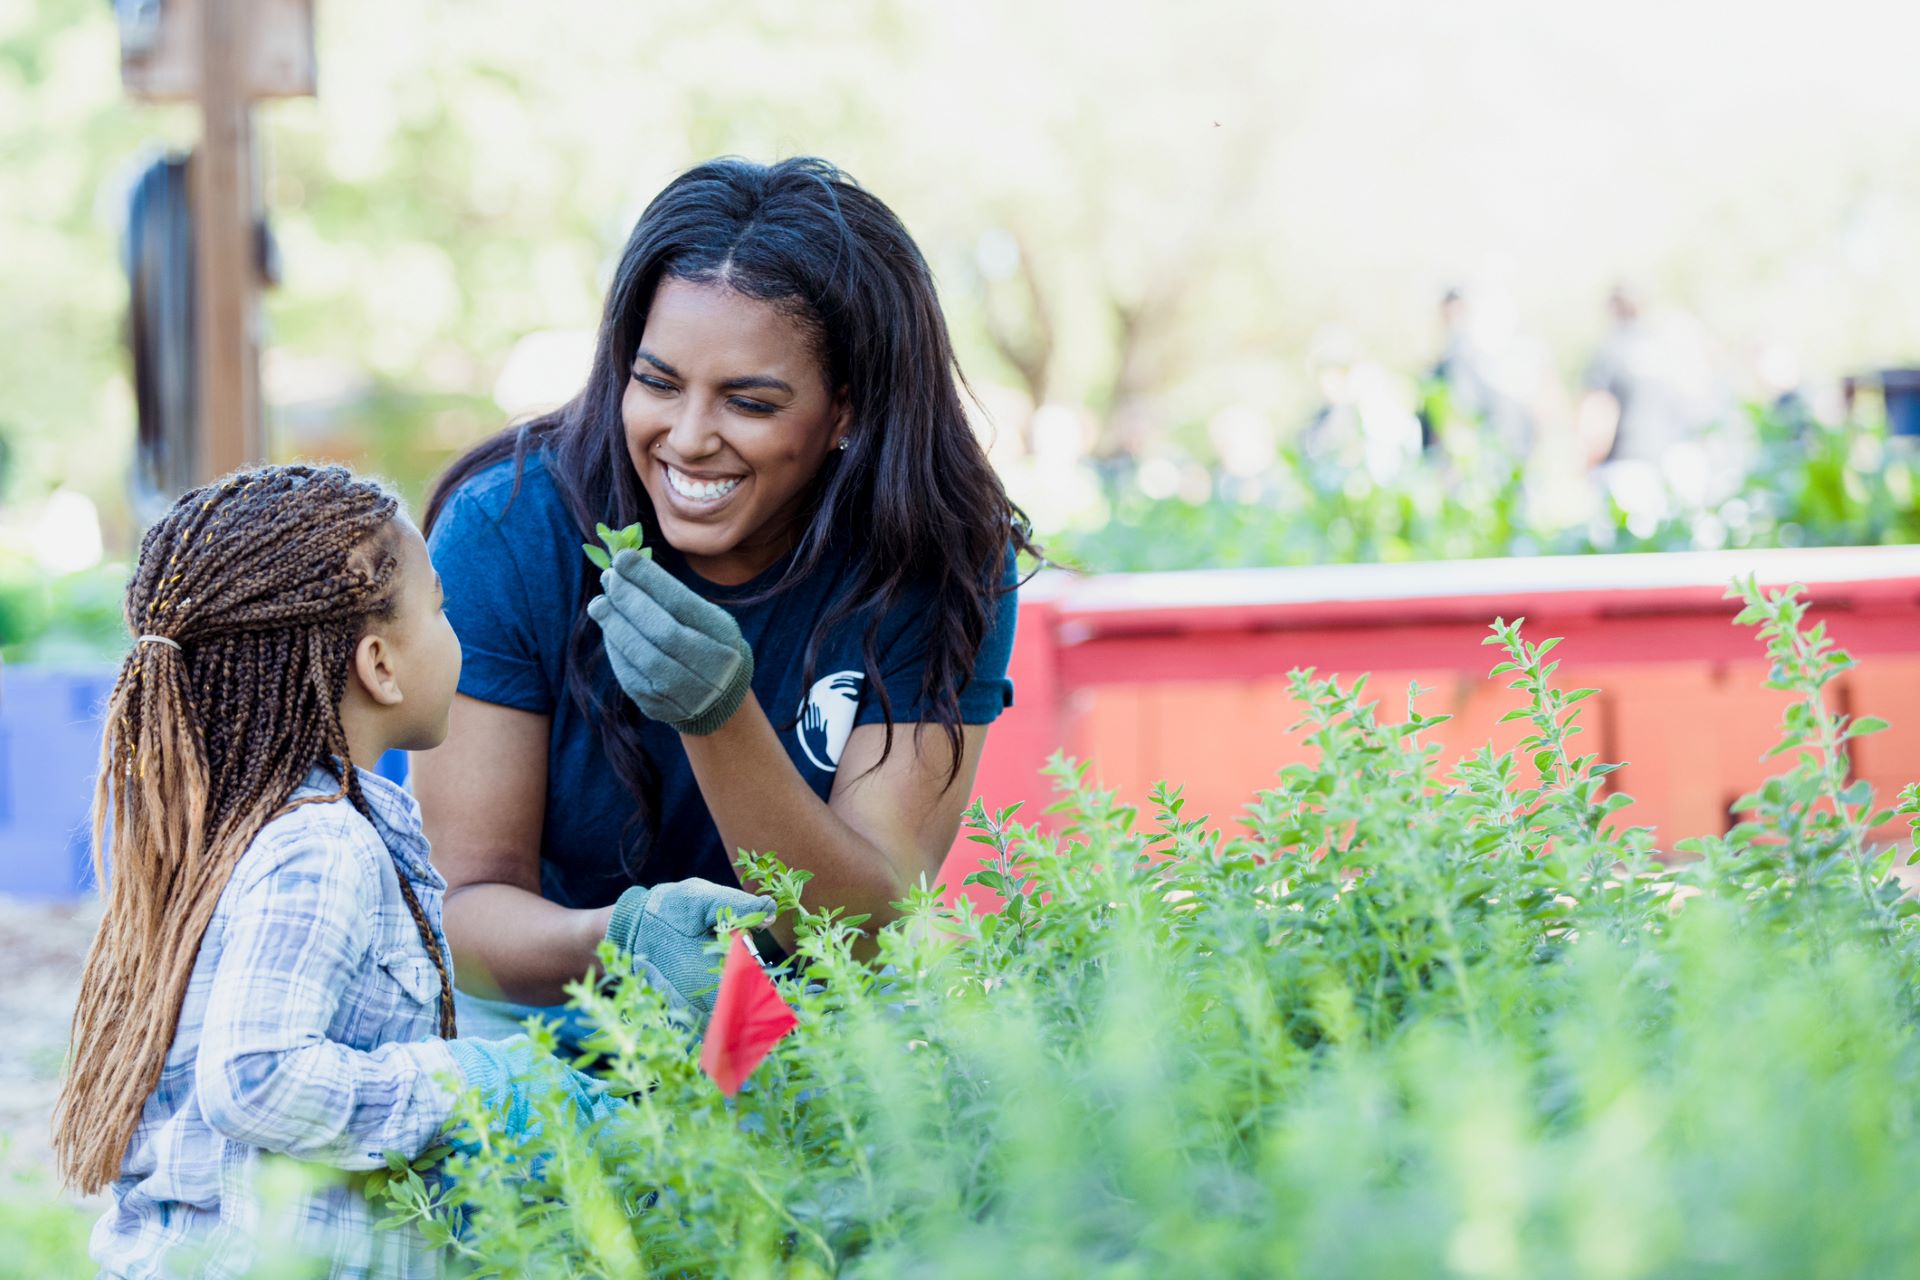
<point>373,669</point>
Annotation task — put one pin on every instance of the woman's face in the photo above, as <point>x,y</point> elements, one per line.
<point>728,421</point>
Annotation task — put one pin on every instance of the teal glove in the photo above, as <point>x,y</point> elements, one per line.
<point>680,658</point>
<point>511,1075</point>
<point>667,929</point>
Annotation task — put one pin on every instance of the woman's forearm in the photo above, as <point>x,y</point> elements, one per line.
<point>760,804</point>
<point>509,943</point>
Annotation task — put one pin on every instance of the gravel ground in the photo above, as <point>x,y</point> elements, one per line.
<point>42,947</point>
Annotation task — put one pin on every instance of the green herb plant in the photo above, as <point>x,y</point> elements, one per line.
<point>1415,1021</point>
<point>614,541</point>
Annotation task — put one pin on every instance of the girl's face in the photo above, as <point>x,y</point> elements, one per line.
<point>728,421</point>
<point>417,644</point>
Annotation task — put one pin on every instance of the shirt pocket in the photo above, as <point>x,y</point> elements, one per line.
<point>414,974</point>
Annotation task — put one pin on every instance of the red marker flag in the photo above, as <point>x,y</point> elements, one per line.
<point>749,1018</point>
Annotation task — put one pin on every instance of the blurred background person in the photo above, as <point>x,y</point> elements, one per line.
<point>1365,420</point>
<point>1647,387</point>
<point>1650,392</point>
<point>1470,382</point>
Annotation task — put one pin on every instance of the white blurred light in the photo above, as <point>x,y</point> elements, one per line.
<point>1059,434</point>
<point>1688,472</point>
<point>991,410</point>
<point>1641,493</point>
<point>1709,531</point>
<point>544,370</point>
<point>997,254</point>
<point>1196,483</point>
<point>66,536</point>
<point>1159,478</point>
<point>1056,497</point>
<point>1243,437</point>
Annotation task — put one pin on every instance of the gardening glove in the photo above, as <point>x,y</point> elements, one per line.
<point>667,929</point>
<point>680,658</point>
<point>512,1075</point>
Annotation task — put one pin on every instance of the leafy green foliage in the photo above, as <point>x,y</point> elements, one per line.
<point>631,538</point>
<point>1413,1024</point>
<point>1807,483</point>
<point>44,1238</point>
<point>1417,1022</point>
<point>60,617</point>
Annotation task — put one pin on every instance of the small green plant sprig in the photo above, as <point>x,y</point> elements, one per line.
<point>1806,832</point>
<point>631,538</point>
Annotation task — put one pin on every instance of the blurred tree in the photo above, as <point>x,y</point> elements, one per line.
<point>65,149</point>
<point>1192,191</point>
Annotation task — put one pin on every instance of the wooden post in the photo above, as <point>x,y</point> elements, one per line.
<point>230,433</point>
<point>224,55</point>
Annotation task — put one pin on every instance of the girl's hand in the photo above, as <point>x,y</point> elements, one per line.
<point>680,658</point>
<point>512,1074</point>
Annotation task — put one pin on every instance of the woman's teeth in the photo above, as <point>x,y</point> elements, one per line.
<point>700,490</point>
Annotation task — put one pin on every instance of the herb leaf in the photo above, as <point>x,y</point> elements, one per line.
<point>631,538</point>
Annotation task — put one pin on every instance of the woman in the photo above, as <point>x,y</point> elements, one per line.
<point>808,662</point>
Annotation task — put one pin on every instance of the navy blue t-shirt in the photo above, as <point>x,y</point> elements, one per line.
<point>514,576</point>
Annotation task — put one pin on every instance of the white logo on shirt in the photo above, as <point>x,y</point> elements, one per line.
<point>826,717</point>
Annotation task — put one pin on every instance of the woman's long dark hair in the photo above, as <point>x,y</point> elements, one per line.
<point>913,499</point>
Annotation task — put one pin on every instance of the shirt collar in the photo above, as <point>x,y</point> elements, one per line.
<point>396,818</point>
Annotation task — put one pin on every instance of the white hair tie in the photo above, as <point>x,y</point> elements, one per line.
<point>158,640</point>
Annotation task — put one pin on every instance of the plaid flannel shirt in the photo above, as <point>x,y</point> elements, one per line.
<point>308,1029</point>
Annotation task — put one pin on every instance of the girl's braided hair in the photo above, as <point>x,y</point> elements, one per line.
<point>264,583</point>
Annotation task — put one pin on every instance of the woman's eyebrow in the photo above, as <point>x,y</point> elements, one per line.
<point>750,382</point>
<point>656,362</point>
<point>757,382</point>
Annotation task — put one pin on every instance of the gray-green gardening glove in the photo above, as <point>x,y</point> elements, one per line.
<point>680,658</point>
<point>668,927</point>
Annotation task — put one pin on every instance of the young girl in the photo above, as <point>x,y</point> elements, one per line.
<point>271,974</point>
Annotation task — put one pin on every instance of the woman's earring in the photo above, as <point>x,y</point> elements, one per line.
<point>842,446</point>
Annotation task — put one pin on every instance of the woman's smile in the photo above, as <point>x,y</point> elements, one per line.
<point>728,421</point>
<point>699,495</point>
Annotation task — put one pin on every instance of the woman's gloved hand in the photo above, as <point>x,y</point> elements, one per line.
<point>513,1074</point>
<point>680,658</point>
<point>667,928</point>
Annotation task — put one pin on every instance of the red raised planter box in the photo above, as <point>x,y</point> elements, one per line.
<point>1181,677</point>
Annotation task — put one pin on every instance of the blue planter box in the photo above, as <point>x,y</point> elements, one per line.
<point>49,754</point>
<point>50,719</point>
